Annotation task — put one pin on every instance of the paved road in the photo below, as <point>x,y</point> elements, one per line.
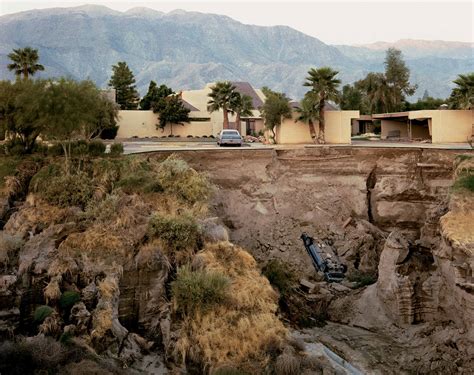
<point>134,147</point>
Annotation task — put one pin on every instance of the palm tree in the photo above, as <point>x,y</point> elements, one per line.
<point>220,98</point>
<point>242,106</point>
<point>308,112</point>
<point>380,94</point>
<point>324,86</point>
<point>24,61</point>
<point>462,96</point>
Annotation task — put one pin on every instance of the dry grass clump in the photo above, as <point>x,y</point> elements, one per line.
<point>36,355</point>
<point>52,291</point>
<point>9,247</point>
<point>149,255</point>
<point>96,242</point>
<point>66,190</point>
<point>102,315</point>
<point>237,332</point>
<point>287,364</point>
<point>177,177</point>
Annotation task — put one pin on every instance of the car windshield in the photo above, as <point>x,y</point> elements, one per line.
<point>231,136</point>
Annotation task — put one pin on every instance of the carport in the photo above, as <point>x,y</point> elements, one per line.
<point>412,126</point>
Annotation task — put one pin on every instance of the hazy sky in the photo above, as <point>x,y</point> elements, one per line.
<point>347,22</point>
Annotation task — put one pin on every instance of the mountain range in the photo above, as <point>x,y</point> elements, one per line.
<point>186,50</point>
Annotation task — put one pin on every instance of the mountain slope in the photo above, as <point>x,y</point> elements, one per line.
<point>183,49</point>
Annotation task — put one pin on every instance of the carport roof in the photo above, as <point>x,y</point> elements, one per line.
<point>390,115</point>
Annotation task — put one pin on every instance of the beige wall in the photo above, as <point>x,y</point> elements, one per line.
<point>337,129</point>
<point>420,131</point>
<point>389,125</point>
<point>143,124</point>
<point>448,126</point>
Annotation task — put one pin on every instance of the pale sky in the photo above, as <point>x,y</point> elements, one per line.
<point>335,22</point>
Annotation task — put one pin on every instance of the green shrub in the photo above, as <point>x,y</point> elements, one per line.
<point>198,290</point>
<point>228,370</point>
<point>280,275</point>
<point>465,182</point>
<point>15,147</point>
<point>96,148</point>
<point>41,313</point>
<point>68,299</point>
<point>109,133</point>
<point>55,150</point>
<point>361,279</point>
<point>177,177</point>
<point>40,148</point>
<point>116,149</point>
<point>177,232</point>
<point>64,190</point>
<point>8,167</point>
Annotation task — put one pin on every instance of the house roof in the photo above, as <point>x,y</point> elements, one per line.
<point>327,106</point>
<point>189,106</point>
<point>246,88</point>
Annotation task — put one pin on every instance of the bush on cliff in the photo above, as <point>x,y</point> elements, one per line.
<point>198,290</point>
<point>180,235</point>
<point>177,177</point>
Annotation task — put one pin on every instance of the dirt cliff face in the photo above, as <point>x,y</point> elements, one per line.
<point>404,227</point>
<point>268,198</point>
<point>390,215</point>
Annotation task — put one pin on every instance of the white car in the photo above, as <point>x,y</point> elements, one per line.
<point>229,137</point>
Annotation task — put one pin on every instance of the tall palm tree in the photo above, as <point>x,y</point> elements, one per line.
<point>324,86</point>
<point>242,106</point>
<point>308,112</point>
<point>24,62</point>
<point>462,96</point>
<point>380,94</point>
<point>220,98</point>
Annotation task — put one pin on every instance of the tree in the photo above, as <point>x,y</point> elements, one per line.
<point>308,112</point>
<point>352,99</point>
<point>154,95</point>
<point>275,108</point>
<point>21,111</point>
<point>324,86</point>
<point>66,108</point>
<point>123,82</point>
<point>378,94</point>
<point>462,96</point>
<point>105,113</point>
<point>397,75</point>
<point>24,62</point>
<point>220,98</point>
<point>172,112</point>
<point>426,103</point>
<point>242,106</point>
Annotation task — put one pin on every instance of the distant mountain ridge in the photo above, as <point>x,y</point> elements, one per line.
<point>186,50</point>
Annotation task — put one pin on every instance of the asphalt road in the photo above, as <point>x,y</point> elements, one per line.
<point>135,147</point>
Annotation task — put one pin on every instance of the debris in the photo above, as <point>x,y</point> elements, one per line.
<point>347,222</point>
<point>307,285</point>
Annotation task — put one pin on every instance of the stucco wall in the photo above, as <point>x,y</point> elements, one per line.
<point>143,124</point>
<point>448,126</point>
<point>337,129</point>
<point>390,125</point>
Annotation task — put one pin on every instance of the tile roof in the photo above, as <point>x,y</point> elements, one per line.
<point>246,88</point>
<point>188,105</point>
